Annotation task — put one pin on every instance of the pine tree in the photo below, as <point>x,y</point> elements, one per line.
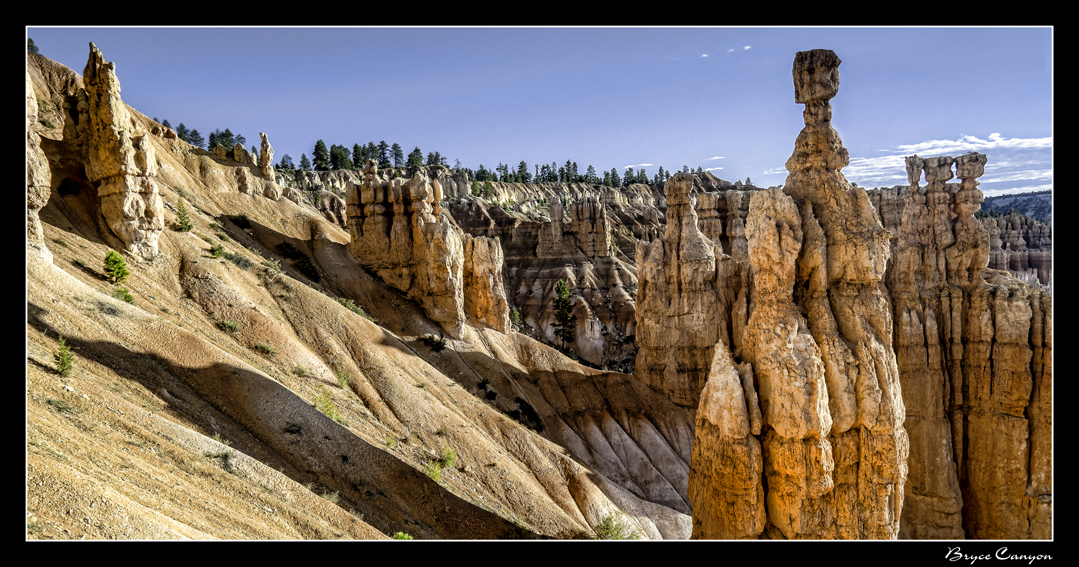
<point>182,220</point>
<point>565,321</point>
<point>321,156</point>
<point>357,156</point>
<point>305,164</point>
<point>31,47</point>
<point>196,139</point>
<point>116,267</point>
<point>415,159</point>
<point>383,154</point>
<point>398,155</point>
<point>182,133</point>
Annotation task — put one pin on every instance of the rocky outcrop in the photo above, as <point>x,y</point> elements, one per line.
<point>120,162</point>
<point>974,349</point>
<point>587,230</point>
<point>266,157</point>
<point>400,230</point>
<point>680,304</point>
<point>484,292</point>
<point>38,178</point>
<point>824,454</point>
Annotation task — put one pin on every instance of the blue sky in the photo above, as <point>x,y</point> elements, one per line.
<point>717,98</point>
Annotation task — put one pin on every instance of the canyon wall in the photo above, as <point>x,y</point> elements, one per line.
<point>974,347</point>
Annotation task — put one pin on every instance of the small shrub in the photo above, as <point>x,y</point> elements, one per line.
<point>274,265</point>
<point>60,241</point>
<point>116,267</point>
<point>300,371</point>
<point>217,250</point>
<point>266,348</point>
<point>226,460</point>
<point>333,497</point>
<point>240,260</point>
<point>217,437</point>
<point>342,378</point>
<point>64,359</point>
<point>448,457</point>
<point>351,306</point>
<point>434,470</point>
<point>123,294</point>
<point>60,405</point>
<point>614,526</point>
<point>401,535</point>
<point>515,318</point>
<point>324,403</point>
<point>228,325</point>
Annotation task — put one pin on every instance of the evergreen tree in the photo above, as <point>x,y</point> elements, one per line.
<point>629,178</point>
<point>196,139</point>
<point>286,163</point>
<point>358,156</point>
<point>321,156</point>
<point>116,267</point>
<point>523,176</point>
<point>31,47</point>
<point>213,141</point>
<point>748,182</point>
<point>398,155</point>
<point>305,164</point>
<point>616,181</point>
<point>415,159</point>
<point>166,124</point>
<point>372,153</point>
<point>64,359</point>
<point>183,223</point>
<point>339,157</point>
<point>183,133</point>
<point>240,140</point>
<point>226,139</point>
<point>565,321</point>
<point>383,154</point>
<point>590,175</point>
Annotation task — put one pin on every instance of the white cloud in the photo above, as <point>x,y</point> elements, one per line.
<point>730,50</point>
<point>746,47</point>
<point>704,55</point>
<point>968,143</point>
<point>711,158</point>
<point>712,168</point>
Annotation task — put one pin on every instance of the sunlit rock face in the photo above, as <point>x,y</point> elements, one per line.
<point>400,230</point>
<point>120,162</point>
<point>974,349</point>
<point>815,384</point>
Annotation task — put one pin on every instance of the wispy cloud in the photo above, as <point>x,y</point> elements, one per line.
<point>746,47</point>
<point>638,165</point>
<point>711,158</point>
<point>704,55</point>
<point>712,168</point>
<point>968,143</point>
<point>730,50</point>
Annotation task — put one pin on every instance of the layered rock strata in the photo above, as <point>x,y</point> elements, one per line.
<point>1022,246</point>
<point>974,349</point>
<point>120,161</point>
<point>817,344</point>
<point>400,230</point>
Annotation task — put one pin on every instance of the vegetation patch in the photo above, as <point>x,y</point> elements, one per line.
<point>401,535</point>
<point>324,403</point>
<point>301,260</point>
<point>64,359</point>
<point>115,267</point>
<point>615,526</point>
<point>226,460</point>
<point>351,306</point>
<point>123,294</point>
<point>228,325</point>
<point>240,260</point>
<point>266,348</point>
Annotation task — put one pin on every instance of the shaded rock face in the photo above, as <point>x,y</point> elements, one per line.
<point>974,349</point>
<point>401,231</point>
<point>823,453</point>
<point>120,162</point>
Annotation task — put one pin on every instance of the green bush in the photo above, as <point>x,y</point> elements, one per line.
<point>614,526</point>
<point>217,251</point>
<point>116,267</point>
<point>351,306</point>
<point>266,348</point>
<point>240,260</point>
<point>64,359</point>
<point>324,403</point>
<point>123,294</point>
<point>228,325</point>
<point>401,535</point>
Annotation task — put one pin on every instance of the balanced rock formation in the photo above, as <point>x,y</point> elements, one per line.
<point>400,230</point>
<point>120,161</point>
<point>816,351</point>
<point>266,157</point>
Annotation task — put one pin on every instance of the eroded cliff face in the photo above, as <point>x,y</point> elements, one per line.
<point>828,453</point>
<point>974,348</point>
<point>1022,246</point>
<point>400,230</point>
